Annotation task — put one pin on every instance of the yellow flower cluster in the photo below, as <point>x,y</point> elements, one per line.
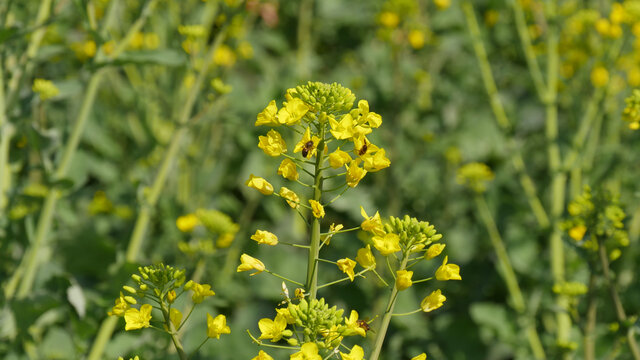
<point>44,88</point>
<point>475,175</point>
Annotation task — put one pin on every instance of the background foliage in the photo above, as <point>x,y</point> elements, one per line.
<point>420,74</point>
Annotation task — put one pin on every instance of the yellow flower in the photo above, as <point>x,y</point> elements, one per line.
<point>122,305</point>
<point>599,76</point>
<point>308,351</point>
<point>372,224</point>
<point>433,301</point>
<point>416,39</point>
<point>171,296</point>
<point>200,292</point>
<point>347,265</point>
<point>307,145</point>
<point>268,115</point>
<point>361,146</point>
<point>352,325</point>
<point>344,129</point>
<point>224,56</point>
<point>292,198</point>
<point>265,237</point>
<point>577,232</point>
<point>375,161</point>
<point>187,223</point>
<point>442,4</point>
<point>217,326</point>
<point>475,175</point>
<point>387,244</point>
<point>262,356</point>
<point>433,251</point>
<point>422,356</point>
<point>287,315</point>
<point>272,329</point>
<point>356,354</point>
<point>448,271</point>
<point>250,263</point>
<point>292,112</point>
<point>260,184</point>
<point>272,144</point>
<point>633,76</point>
<point>403,279</point>
<point>374,120</point>
<point>365,258</point>
<point>45,88</point>
<point>175,316</point>
<point>288,170</point>
<point>137,319</point>
<point>389,19</point>
<point>355,173</point>
<point>338,158</point>
<point>317,208</point>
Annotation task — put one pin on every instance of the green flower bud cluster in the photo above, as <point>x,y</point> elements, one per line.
<point>414,234</point>
<point>216,221</point>
<point>320,323</point>
<point>157,279</point>
<point>321,97</point>
<point>598,213</point>
<point>631,112</point>
<point>475,175</point>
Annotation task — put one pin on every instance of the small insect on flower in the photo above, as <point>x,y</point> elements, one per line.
<point>363,149</point>
<point>308,146</point>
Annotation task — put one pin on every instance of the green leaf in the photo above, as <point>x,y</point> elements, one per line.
<point>57,345</point>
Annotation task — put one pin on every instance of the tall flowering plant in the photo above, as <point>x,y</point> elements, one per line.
<point>332,144</point>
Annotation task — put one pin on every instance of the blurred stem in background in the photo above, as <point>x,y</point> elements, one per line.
<point>501,116</point>
<point>151,197</point>
<point>509,276</point>
<point>617,303</point>
<point>30,262</point>
<point>305,18</point>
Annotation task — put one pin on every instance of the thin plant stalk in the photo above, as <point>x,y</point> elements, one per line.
<point>509,275</point>
<point>172,332</point>
<point>615,297</point>
<point>305,17</point>
<point>501,117</point>
<point>6,132</point>
<point>386,318</point>
<point>590,326</point>
<point>314,246</point>
<point>135,243</point>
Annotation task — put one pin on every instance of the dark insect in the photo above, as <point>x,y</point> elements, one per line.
<point>363,149</point>
<point>363,324</point>
<point>306,148</point>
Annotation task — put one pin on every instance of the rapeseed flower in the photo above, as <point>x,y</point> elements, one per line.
<point>288,170</point>
<point>372,224</point>
<point>292,198</point>
<point>403,279</point>
<point>433,301</point>
<point>352,325</point>
<point>387,244</point>
<point>187,223</point>
<point>123,303</point>
<point>265,237</point>
<point>262,356</point>
<point>307,145</point>
<point>599,76</point>
<point>347,265</point>
<point>339,158</point>
<point>292,112</point>
<point>46,89</point>
<point>433,251</point>
<point>375,161</point>
<point>250,263</point>
<point>260,184</point>
<point>200,291</point>
<point>365,258</point>
<point>422,356</point>
<point>268,115</point>
<point>308,351</point>
<point>448,271</point>
<point>217,326</point>
<point>355,173</point>
<point>272,144</point>
<point>577,232</point>
<point>137,319</point>
<point>272,329</point>
<point>317,208</point>
<point>356,353</point>
<point>175,316</point>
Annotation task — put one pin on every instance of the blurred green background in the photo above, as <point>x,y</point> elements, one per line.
<point>412,60</point>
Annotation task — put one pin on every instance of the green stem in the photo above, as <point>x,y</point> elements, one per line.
<point>305,17</point>
<point>529,53</point>
<point>172,332</point>
<point>509,275</point>
<point>589,337</point>
<point>314,246</point>
<point>501,116</point>
<point>386,318</point>
<point>31,261</point>
<point>6,132</point>
<point>617,303</point>
<point>283,278</point>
